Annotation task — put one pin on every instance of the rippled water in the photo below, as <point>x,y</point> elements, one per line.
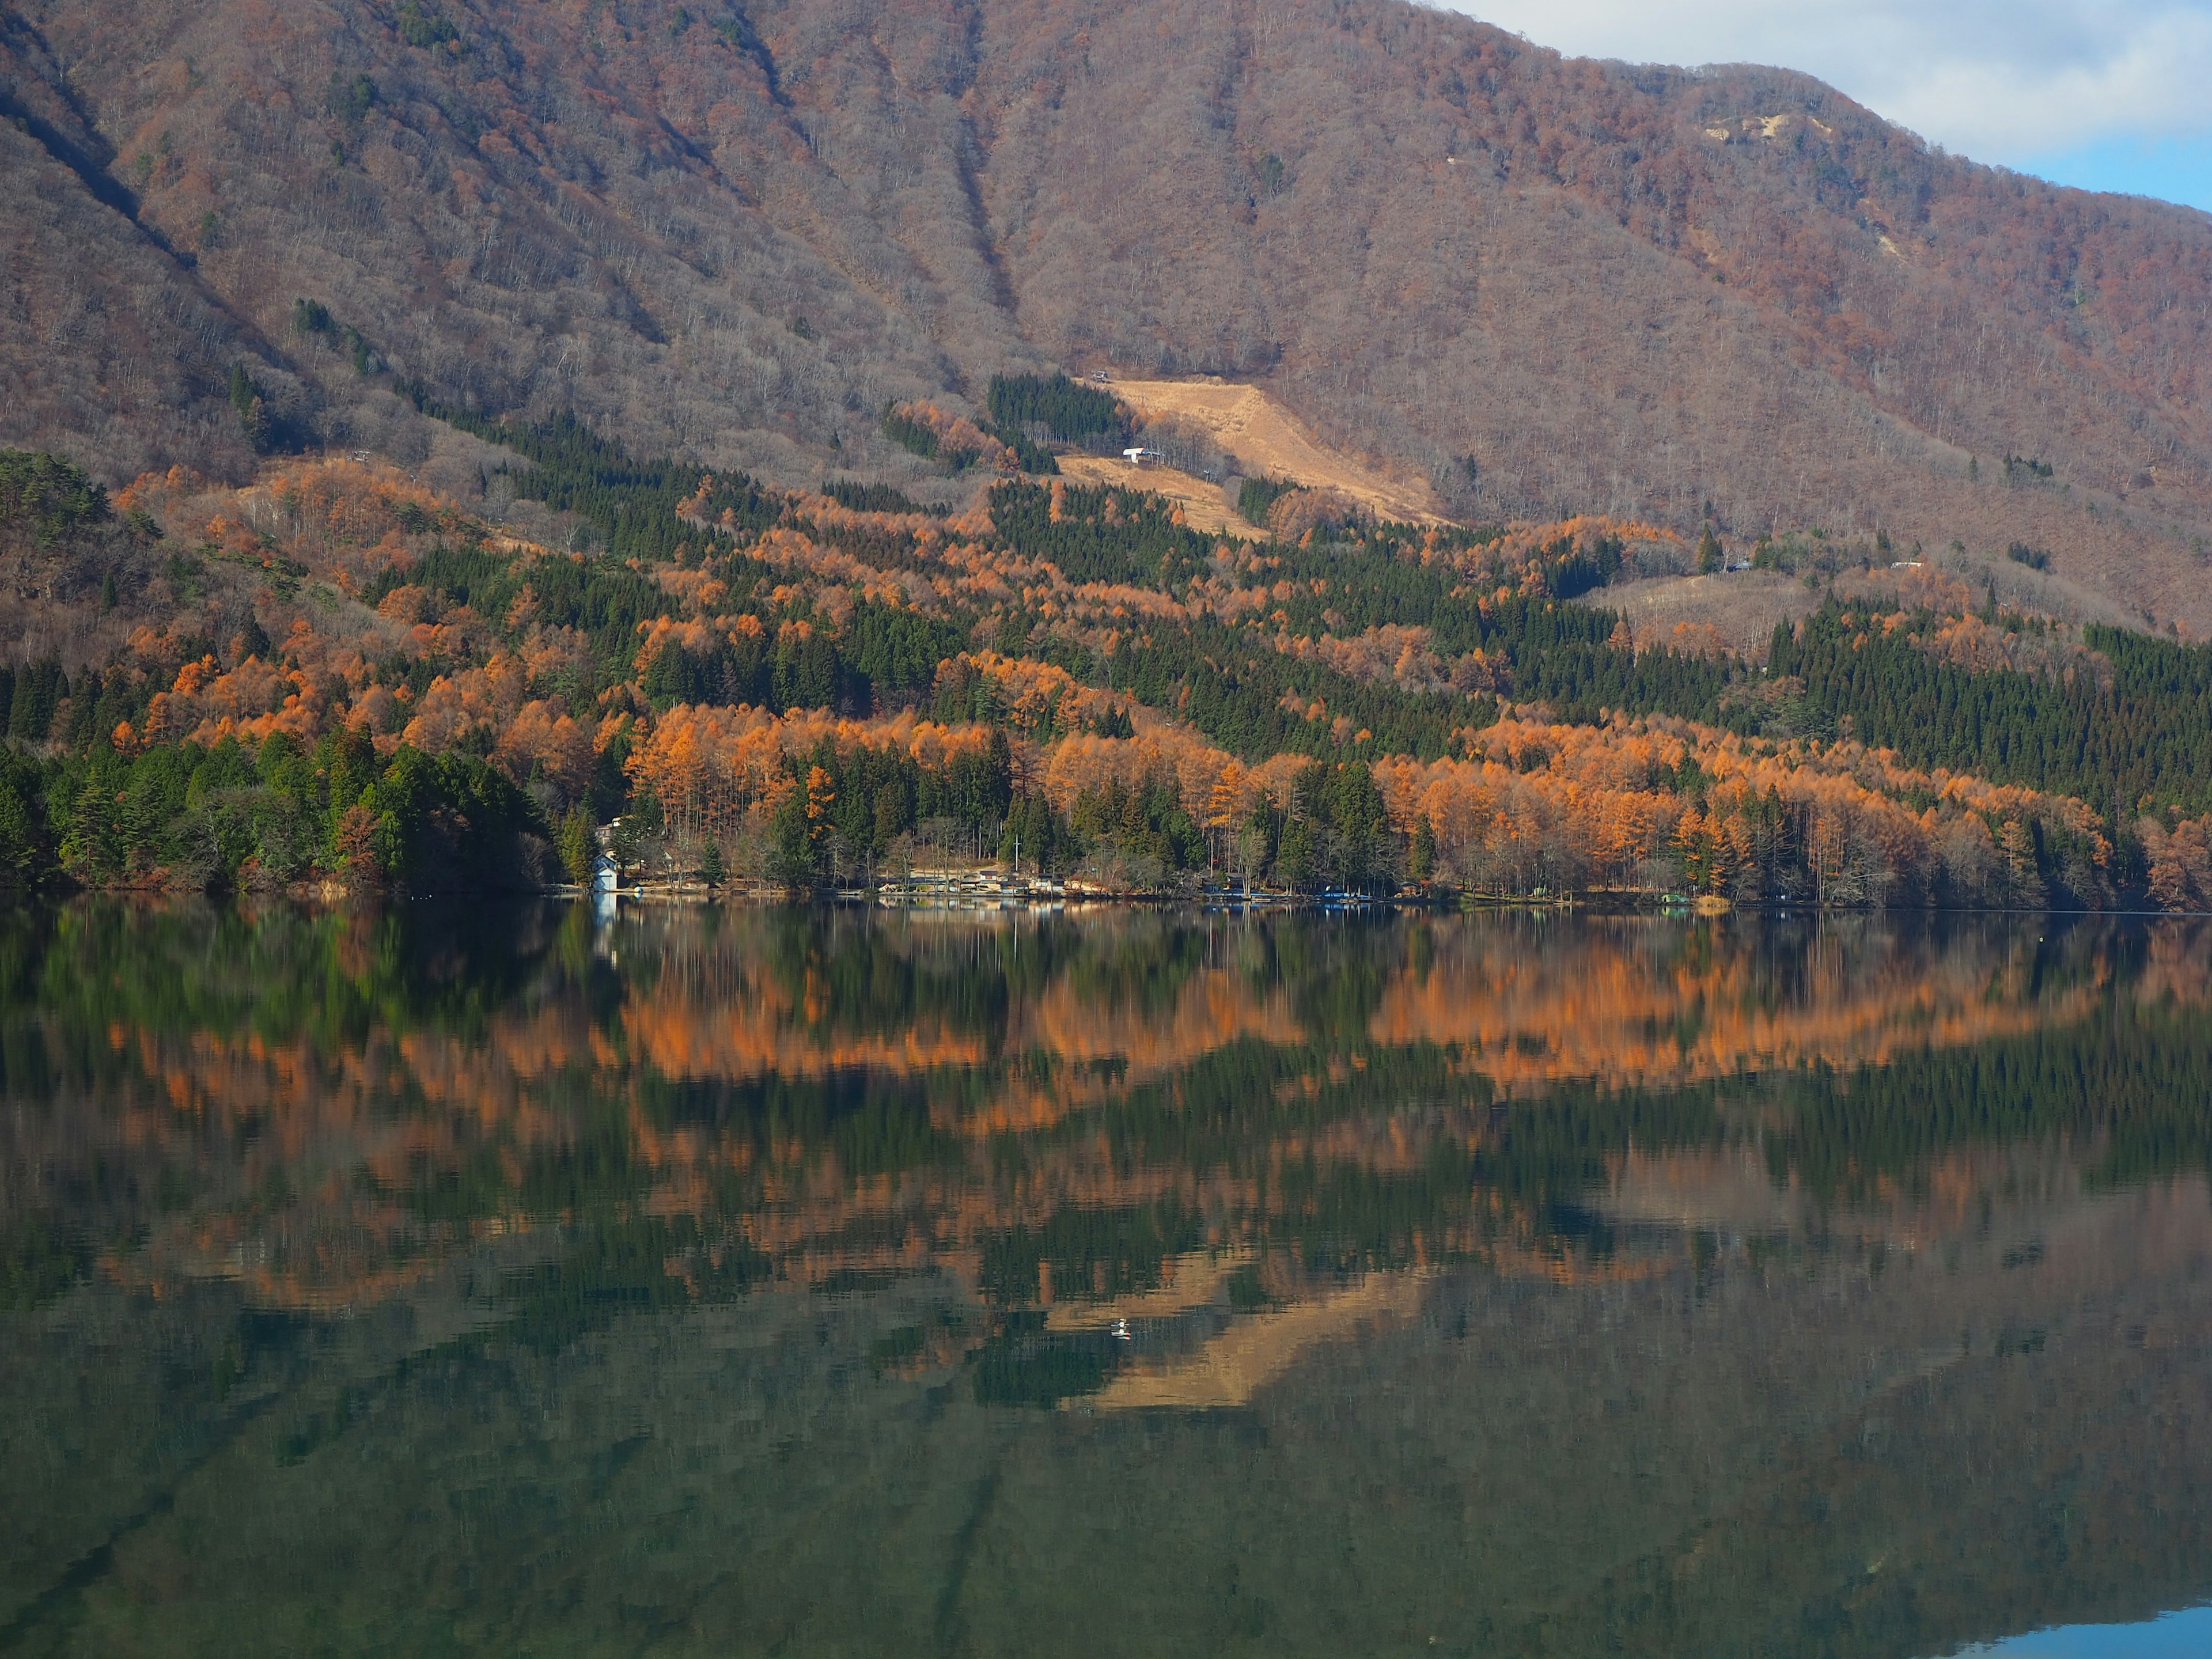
<point>811,1282</point>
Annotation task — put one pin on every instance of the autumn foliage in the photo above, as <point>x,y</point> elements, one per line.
<point>1067,677</point>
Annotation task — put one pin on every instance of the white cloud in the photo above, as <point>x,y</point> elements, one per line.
<point>2005,80</point>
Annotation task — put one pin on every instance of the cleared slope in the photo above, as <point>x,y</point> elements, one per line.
<point>1270,442</point>
<point>1198,500</point>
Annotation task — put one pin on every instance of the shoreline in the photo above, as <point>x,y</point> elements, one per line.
<point>982,890</point>
<point>1054,897</point>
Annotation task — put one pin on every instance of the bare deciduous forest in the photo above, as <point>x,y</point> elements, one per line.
<point>737,234</point>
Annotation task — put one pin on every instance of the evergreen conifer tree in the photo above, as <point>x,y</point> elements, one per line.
<point>576,846</point>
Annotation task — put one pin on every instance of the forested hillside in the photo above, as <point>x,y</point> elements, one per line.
<point>337,675</point>
<point>735,234</point>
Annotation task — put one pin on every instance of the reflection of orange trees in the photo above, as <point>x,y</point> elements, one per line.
<point>759,1033</point>
<point>303,1166</point>
<point>1732,1188</point>
<point>327,1174</point>
<point>1611,1012</point>
<point>753,1025</point>
<point>1617,1010</point>
<point>817,1221</point>
<point>1213,1009</point>
<point>2176,969</point>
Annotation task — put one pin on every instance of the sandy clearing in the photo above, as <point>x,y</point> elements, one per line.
<point>1270,442</point>
<point>1203,508</point>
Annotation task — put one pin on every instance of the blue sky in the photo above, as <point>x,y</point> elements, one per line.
<point>2108,94</point>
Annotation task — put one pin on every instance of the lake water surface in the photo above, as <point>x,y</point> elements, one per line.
<point>816,1282</point>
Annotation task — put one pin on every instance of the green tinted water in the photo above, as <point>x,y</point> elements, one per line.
<point>803,1282</point>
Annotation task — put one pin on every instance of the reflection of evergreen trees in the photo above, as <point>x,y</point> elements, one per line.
<point>74,974</point>
<point>2130,1090</point>
<point>553,1378</point>
<point>1025,1365</point>
<point>618,1268</point>
<point>2127,1085</point>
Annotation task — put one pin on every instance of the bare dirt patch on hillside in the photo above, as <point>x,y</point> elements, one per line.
<point>1203,507</point>
<point>1270,442</point>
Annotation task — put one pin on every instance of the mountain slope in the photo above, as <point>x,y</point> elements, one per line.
<point>738,232</point>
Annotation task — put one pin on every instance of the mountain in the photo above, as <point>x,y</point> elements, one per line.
<point>735,233</point>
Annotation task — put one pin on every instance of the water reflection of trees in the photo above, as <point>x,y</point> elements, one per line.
<point>1594,1266</point>
<point>324,1106</point>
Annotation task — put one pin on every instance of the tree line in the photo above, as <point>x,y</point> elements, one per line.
<point>2141,742</point>
<point>1063,409</point>
<point>229,817</point>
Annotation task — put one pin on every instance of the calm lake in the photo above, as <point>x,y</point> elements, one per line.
<point>811,1282</point>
